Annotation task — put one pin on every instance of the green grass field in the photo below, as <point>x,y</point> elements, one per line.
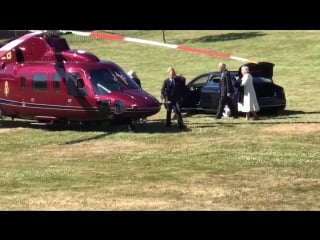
<point>227,164</point>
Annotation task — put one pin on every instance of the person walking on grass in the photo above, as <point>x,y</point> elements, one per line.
<point>172,92</point>
<point>250,105</point>
<point>226,92</point>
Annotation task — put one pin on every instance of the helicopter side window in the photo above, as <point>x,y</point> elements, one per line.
<point>39,81</point>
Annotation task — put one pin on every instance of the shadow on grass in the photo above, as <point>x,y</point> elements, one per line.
<point>151,126</point>
<point>264,113</point>
<point>223,37</point>
<point>86,139</point>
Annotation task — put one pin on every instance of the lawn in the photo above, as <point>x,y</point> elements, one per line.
<point>227,164</point>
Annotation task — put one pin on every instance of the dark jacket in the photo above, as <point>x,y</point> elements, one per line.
<point>237,84</point>
<point>173,92</point>
<point>137,80</point>
<point>226,83</point>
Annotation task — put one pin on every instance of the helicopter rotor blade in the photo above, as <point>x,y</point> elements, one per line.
<point>16,42</point>
<point>108,36</point>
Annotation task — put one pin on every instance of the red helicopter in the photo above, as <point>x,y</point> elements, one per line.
<point>42,79</point>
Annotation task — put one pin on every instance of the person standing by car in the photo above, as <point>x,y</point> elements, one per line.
<point>172,92</point>
<point>250,103</point>
<point>226,92</point>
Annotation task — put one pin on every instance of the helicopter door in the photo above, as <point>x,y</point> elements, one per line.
<point>75,85</point>
<point>81,87</point>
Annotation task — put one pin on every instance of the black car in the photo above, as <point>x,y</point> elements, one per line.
<point>202,92</point>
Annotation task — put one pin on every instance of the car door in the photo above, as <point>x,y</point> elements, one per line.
<point>191,98</point>
<point>210,92</point>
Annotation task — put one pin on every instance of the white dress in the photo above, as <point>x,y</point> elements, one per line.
<point>250,102</point>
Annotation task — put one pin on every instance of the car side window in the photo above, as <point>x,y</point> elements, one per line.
<point>202,80</point>
<point>214,79</point>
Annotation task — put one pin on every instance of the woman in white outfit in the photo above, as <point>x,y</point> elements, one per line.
<point>250,103</point>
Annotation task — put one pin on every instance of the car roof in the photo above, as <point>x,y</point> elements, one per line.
<point>259,69</point>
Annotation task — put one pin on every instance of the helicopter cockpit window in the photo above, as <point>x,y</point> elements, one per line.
<point>108,80</point>
<point>123,78</point>
<point>103,82</point>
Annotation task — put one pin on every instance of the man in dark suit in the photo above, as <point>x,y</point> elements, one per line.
<point>226,92</point>
<point>172,92</point>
